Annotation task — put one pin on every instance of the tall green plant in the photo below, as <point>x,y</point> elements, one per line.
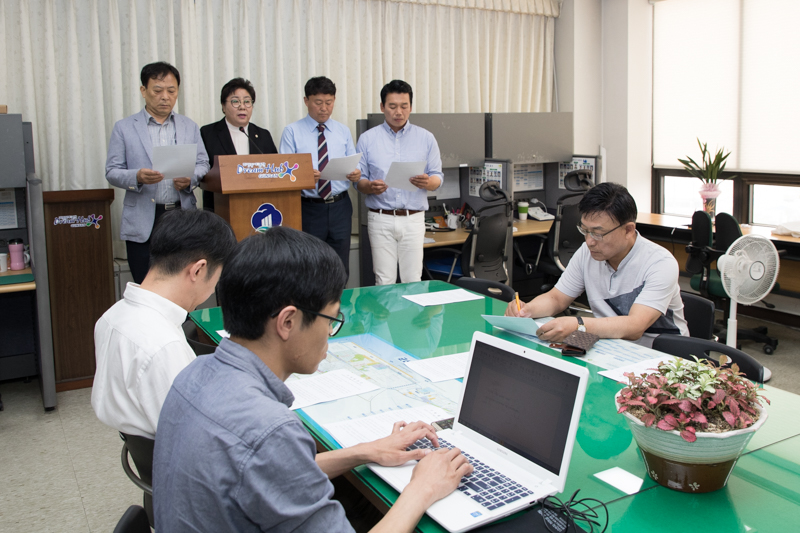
<point>711,170</point>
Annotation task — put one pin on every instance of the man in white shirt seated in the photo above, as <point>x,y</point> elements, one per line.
<point>139,343</point>
<point>631,283</point>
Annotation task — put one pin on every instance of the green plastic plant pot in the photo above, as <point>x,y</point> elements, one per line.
<point>701,466</point>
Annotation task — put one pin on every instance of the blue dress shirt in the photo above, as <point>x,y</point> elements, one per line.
<point>231,457</point>
<point>301,137</point>
<point>381,146</point>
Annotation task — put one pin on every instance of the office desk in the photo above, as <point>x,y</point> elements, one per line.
<point>458,236</point>
<point>603,440</point>
<point>17,281</point>
<point>671,222</point>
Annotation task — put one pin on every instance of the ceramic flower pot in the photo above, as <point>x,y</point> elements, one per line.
<point>701,466</point>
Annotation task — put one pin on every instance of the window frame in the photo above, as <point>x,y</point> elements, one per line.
<point>742,189</point>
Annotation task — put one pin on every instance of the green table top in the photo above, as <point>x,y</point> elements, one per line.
<point>603,440</point>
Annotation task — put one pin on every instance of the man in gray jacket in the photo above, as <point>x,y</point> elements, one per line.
<point>129,163</point>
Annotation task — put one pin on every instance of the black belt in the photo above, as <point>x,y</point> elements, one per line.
<point>330,200</point>
<point>395,212</point>
<point>169,207</point>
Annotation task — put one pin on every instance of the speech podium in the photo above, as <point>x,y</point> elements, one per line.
<point>257,190</point>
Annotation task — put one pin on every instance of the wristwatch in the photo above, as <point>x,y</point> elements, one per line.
<point>581,326</point>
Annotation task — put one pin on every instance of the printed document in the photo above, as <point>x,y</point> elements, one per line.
<point>338,169</point>
<point>640,367</point>
<point>399,174</point>
<point>351,432</point>
<point>175,161</point>
<point>441,368</point>
<point>517,324</point>
<point>442,297</point>
<point>327,387</point>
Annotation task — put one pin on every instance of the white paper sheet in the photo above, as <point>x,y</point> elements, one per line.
<point>366,429</point>
<point>528,326</point>
<point>400,172</point>
<point>224,334</point>
<point>441,368</point>
<point>640,367</point>
<point>442,297</point>
<point>176,161</point>
<point>8,209</point>
<point>338,169</point>
<point>621,479</point>
<point>327,387</point>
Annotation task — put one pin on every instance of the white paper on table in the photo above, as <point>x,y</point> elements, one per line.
<point>400,172</point>
<point>528,326</point>
<point>621,479</point>
<point>175,161</point>
<point>224,334</point>
<point>327,387</point>
<point>338,169</point>
<point>640,367</point>
<point>442,297</point>
<point>367,429</point>
<point>441,368</point>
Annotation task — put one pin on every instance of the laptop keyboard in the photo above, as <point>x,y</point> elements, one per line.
<point>485,485</point>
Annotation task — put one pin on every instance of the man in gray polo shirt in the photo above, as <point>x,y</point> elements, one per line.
<point>631,283</point>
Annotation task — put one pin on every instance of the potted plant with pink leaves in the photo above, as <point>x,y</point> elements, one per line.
<point>710,173</point>
<point>691,420</point>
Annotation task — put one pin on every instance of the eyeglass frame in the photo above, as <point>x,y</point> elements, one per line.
<point>242,102</point>
<point>597,236</point>
<point>333,330</point>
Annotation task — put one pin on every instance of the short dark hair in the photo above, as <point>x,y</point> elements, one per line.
<point>397,86</point>
<point>158,71</point>
<point>320,85</point>
<point>185,236</point>
<point>612,199</point>
<point>231,87</point>
<point>269,271</point>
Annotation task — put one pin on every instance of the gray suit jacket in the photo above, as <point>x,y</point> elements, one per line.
<point>129,150</point>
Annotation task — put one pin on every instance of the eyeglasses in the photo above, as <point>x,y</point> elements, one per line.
<point>596,236</point>
<point>235,102</point>
<point>335,325</point>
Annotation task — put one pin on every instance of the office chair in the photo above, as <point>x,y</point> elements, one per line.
<point>706,247</point>
<point>686,347</point>
<point>134,520</point>
<point>501,291</point>
<point>141,451</point>
<point>699,315</point>
<point>199,348</point>
<point>483,255</point>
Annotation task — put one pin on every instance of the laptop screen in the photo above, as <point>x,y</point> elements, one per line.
<point>522,405</point>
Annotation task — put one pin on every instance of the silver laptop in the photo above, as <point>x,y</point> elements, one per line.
<point>516,422</point>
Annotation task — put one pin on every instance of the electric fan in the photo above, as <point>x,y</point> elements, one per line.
<point>748,271</point>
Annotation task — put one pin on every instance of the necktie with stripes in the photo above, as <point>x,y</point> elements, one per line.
<point>324,188</point>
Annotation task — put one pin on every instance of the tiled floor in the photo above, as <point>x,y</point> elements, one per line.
<point>61,472</point>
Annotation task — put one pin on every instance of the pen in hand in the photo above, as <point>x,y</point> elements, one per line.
<point>519,308</point>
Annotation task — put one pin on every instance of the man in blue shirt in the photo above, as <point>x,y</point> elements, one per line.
<point>230,455</point>
<point>396,218</point>
<point>327,210</point>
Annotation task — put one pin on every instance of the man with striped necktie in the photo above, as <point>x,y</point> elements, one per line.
<point>327,210</point>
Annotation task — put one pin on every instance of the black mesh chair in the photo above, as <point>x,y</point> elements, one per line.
<point>141,451</point>
<point>703,252</point>
<point>699,315</point>
<point>199,348</point>
<point>501,291</point>
<point>686,347</point>
<point>133,521</point>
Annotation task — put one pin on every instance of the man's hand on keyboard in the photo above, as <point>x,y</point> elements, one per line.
<point>391,450</point>
<point>438,474</point>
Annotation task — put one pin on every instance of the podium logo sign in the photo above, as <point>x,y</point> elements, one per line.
<point>268,170</point>
<point>77,221</point>
<point>266,216</point>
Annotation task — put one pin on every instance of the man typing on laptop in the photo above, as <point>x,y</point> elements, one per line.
<point>230,455</point>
